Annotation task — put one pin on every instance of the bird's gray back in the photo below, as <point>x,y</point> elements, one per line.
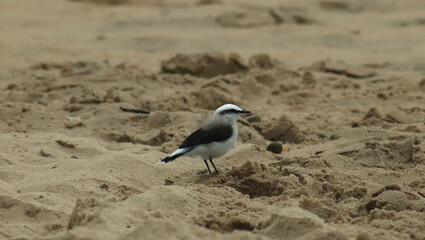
<point>211,130</point>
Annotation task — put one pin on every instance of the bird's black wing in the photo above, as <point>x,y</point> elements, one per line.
<point>204,136</point>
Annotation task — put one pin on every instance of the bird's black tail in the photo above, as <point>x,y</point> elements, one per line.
<point>178,153</point>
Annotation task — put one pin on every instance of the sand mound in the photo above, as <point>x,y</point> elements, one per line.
<point>261,18</point>
<point>18,213</point>
<point>178,229</point>
<point>253,180</point>
<point>375,154</point>
<point>209,65</point>
<point>339,83</point>
<point>283,130</point>
<point>245,19</point>
<point>391,115</point>
<point>112,2</point>
<point>296,223</point>
<point>110,183</point>
<point>342,68</point>
<point>204,65</point>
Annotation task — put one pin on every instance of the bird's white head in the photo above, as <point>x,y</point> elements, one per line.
<point>229,112</point>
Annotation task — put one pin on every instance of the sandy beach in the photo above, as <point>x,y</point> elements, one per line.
<point>340,83</point>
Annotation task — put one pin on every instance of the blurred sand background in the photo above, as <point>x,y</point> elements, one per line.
<point>341,83</point>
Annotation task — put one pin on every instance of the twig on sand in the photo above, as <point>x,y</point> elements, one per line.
<point>139,111</point>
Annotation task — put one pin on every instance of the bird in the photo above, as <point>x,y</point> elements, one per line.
<point>214,137</point>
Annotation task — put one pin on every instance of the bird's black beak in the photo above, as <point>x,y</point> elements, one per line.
<point>245,111</point>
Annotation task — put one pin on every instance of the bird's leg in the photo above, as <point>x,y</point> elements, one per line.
<point>206,163</point>
<point>213,165</point>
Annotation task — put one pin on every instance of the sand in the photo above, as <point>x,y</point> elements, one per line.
<point>340,83</point>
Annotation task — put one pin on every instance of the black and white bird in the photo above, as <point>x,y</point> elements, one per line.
<point>214,138</point>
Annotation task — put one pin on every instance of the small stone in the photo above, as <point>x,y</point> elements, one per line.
<point>72,122</point>
<point>275,147</point>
